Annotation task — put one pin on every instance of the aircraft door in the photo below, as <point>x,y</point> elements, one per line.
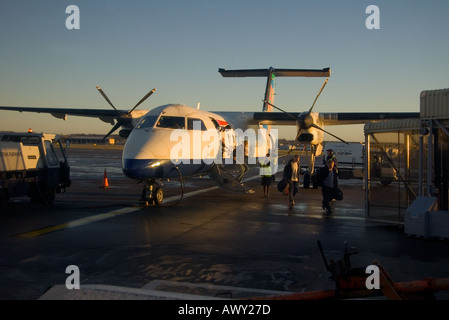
<point>204,146</point>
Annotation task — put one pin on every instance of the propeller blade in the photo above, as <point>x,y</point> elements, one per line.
<point>297,135</point>
<point>105,96</point>
<point>318,127</point>
<point>294,118</point>
<point>142,100</point>
<point>322,87</point>
<point>117,125</point>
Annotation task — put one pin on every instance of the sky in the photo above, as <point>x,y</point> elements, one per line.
<point>177,47</point>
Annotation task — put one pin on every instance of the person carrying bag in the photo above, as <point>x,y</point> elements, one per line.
<point>328,179</point>
<point>291,179</point>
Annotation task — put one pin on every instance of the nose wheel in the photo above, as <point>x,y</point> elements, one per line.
<point>152,193</point>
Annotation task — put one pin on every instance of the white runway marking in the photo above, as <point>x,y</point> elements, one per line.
<point>103,216</point>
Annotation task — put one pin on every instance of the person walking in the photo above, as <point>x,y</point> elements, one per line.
<point>291,175</point>
<point>331,156</point>
<point>266,175</point>
<point>328,178</point>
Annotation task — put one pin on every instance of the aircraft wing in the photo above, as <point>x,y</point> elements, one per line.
<point>243,119</point>
<point>337,118</point>
<point>341,118</point>
<point>105,115</point>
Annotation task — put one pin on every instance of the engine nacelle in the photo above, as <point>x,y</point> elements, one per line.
<point>124,133</point>
<point>305,137</point>
<point>308,133</point>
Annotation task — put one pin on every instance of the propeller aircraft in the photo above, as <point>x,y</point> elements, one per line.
<point>178,141</point>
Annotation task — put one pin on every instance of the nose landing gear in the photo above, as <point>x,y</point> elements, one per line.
<point>152,193</point>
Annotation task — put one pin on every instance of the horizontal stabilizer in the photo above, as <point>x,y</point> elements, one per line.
<point>326,72</point>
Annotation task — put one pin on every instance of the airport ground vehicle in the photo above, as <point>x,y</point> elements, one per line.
<point>349,157</point>
<point>33,165</point>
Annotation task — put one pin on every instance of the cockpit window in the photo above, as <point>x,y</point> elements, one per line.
<point>147,122</point>
<point>215,123</point>
<point>195,124</point>
<point>171,122</point>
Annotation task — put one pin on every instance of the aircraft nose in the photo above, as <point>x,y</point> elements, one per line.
<point>145,156</point>
<point>146,168</point>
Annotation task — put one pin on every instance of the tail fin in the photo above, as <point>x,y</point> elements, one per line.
<point>269,91</point>
<point>269,95</point>
<point>271,74</point>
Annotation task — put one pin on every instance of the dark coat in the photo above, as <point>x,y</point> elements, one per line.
<point>288,171</point>
<point>322,175</point>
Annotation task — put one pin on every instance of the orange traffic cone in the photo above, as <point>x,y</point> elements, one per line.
<point>105,180</point>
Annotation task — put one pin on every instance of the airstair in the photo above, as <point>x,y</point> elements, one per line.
<point>225,175</point>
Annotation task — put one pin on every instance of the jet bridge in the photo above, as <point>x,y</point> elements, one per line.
<point>409,159</point>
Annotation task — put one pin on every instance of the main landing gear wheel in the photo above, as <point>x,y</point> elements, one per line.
<point>152,193</point>
<point>158,195</point>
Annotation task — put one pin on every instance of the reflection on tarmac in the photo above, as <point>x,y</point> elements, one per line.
<point>211,238</point>
<point>86,163</point>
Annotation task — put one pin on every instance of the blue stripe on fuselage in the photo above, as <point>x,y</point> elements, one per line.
<point>143,169</point>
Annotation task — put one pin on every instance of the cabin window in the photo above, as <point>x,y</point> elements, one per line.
<point>171,122</point>
<point>191,124</point>
<point>147,122</point>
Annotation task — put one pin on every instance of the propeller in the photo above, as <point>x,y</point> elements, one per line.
<point>115,127</point>
<point>289,114</point>
<point>318,127</point>
<point>322,87</point>
<point>122,118</point>
<point>105,96</point>
<point>305,120</point>
<point>142,100</point>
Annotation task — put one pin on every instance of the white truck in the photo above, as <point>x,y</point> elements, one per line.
<point>33,165</point>
<point>350,158</point>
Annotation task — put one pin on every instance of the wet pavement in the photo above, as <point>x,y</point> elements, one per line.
<point>212,239</point>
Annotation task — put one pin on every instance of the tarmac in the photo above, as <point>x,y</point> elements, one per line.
<point>211,245</point>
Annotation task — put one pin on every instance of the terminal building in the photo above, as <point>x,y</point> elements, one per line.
<point>407,168</point>
<point>93,139</point>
